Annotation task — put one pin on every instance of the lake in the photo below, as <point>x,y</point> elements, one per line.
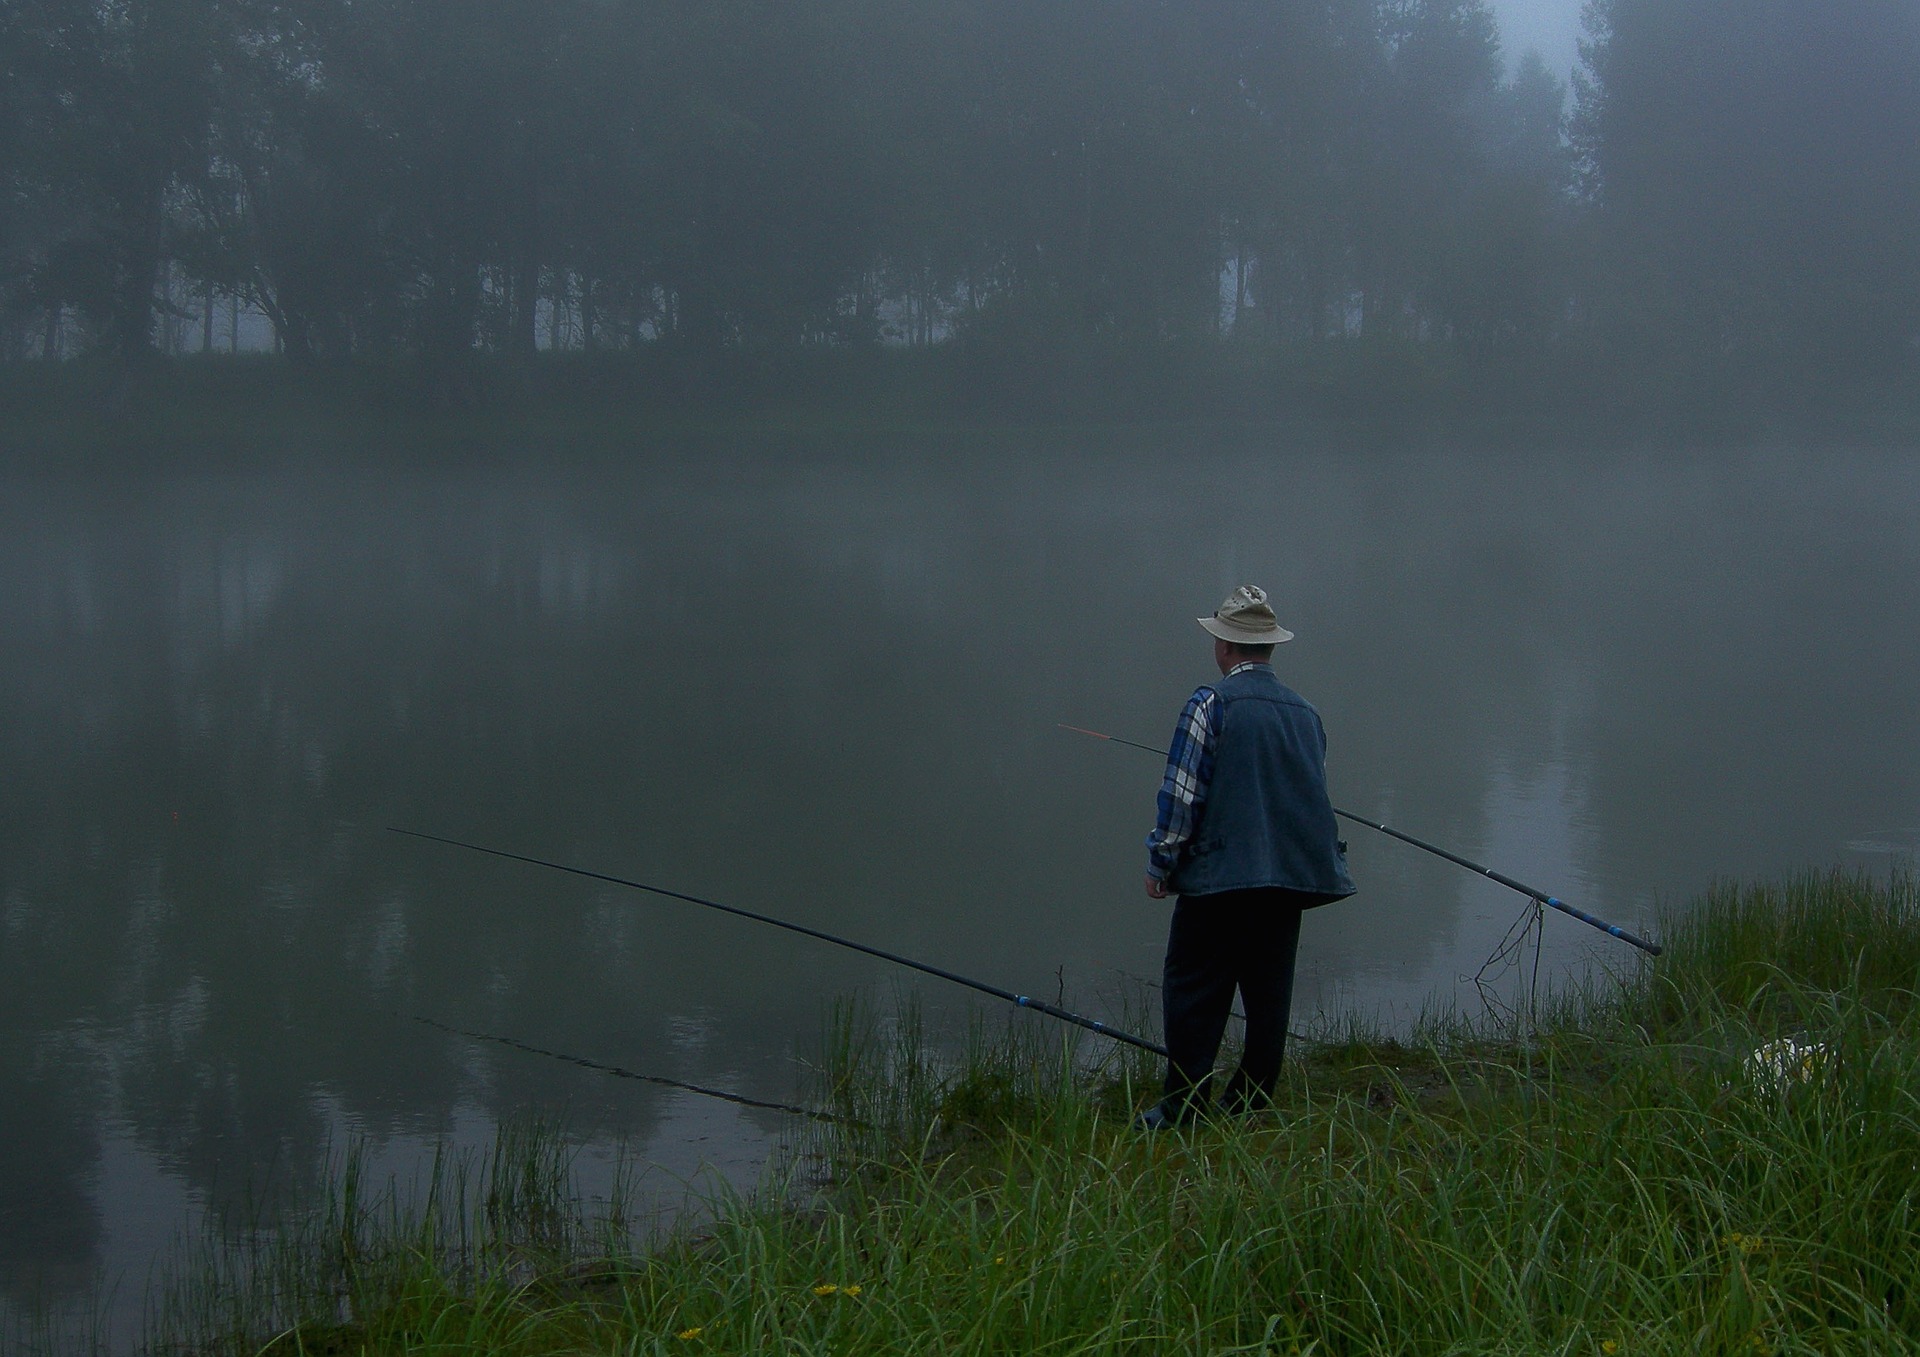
<point>824,680</point>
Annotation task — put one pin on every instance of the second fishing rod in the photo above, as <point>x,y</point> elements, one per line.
<point>1020,1000</point>
<point>1552,902</point>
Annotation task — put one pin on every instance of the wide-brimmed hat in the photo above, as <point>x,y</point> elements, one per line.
<point>1246,619</point>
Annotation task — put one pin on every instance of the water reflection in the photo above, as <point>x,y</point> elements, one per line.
<point>823,684</point>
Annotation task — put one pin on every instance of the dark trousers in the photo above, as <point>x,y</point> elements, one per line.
<point>1243,940</point>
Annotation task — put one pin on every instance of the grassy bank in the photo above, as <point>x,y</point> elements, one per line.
<point>1625,1177</point>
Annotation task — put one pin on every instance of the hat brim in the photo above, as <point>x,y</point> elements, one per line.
<point>1240,636</point>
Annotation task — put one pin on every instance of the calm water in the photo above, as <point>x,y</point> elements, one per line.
<point>824,684</point>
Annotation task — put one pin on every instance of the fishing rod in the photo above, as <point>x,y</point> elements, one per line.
<point>1613,930</point>
<point>620,1072</point>
<point>1019,1000</point>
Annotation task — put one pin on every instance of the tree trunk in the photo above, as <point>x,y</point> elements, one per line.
<point>1317,289</point>
<point>1088,304</point>
<point>523,325</point>
<point>521,338</point>
<point>50,342</point>
<point>169,322</point>
<point>1239,285</point>
<point>556,311</point>
<point>136,272</point>
<point>696,319</point>
<point>206,322</point>
<point>291,331</point>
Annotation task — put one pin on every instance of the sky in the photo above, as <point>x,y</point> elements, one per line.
<point>1553,26</point>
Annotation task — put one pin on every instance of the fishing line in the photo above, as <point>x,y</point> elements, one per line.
<point>1510,954</point>
<point>620,1072</point>
<point>1019,1000</point>
<point>1612,930</point>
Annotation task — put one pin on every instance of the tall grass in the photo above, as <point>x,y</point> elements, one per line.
<point>471,1226</point>
<point>1629,1182</point>
<point>1781,954</point>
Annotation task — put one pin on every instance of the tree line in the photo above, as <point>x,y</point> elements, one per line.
<point>1728,184</point>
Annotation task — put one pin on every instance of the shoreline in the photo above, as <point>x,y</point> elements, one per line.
<point>1643,1168</point>
<point>249,410</point>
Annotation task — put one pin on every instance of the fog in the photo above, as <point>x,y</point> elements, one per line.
<point>1342,205</point>
<point>1549,27</point>
<point>719,443</point>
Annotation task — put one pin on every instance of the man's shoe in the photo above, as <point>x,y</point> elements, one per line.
<point>1155,1118</point>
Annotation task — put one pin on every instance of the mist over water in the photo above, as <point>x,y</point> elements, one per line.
<point>824,683</point>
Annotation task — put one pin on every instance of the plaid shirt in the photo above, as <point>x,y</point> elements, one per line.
<point>1189,771</point>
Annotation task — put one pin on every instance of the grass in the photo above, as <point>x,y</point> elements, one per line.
<point>1625,1181</point>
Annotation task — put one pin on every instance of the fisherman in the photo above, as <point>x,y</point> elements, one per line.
<point>1246,838</point>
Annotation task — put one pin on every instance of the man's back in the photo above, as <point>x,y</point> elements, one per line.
<point>1266,820</point>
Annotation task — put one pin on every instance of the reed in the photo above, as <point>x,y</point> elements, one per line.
<point>1629,1179</point>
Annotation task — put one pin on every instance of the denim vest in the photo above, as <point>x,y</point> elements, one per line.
<point>1266,819</point>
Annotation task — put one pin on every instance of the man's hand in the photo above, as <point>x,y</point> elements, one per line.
<point>1156,888</point>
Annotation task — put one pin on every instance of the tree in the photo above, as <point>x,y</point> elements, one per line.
<point>1506,289</point>
<point>127,100</point>
<point>1427,154</point>
<point>1313,68</point>
<point>1754,169</point>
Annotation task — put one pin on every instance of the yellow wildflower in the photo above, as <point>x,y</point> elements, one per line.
<point>1609,1347</point>
<point>688,1335</point>
<point>826,1290</point>
<point>853,1290</point>
<point>1747,1243</point>
<point>999,1260</point>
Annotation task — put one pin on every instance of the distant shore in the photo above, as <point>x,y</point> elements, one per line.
<point>249,408</point>
<point>1711,1152</point>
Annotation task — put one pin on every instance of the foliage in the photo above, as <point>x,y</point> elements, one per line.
<point>1787,955</point>
<point>1752,173</point>
<point>426,178</point>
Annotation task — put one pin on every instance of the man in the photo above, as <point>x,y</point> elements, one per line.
<point>1246,838</point>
